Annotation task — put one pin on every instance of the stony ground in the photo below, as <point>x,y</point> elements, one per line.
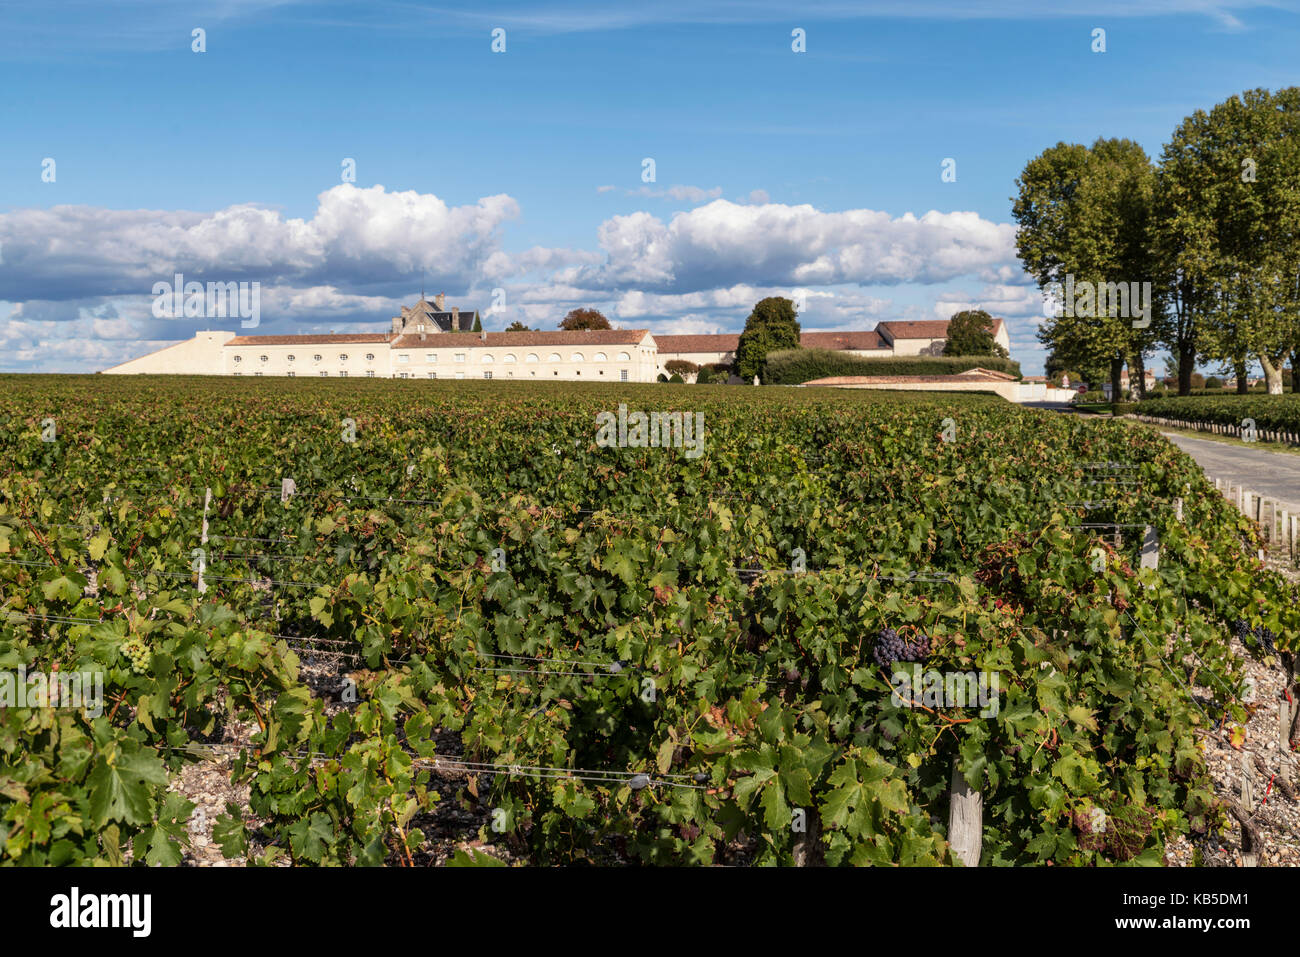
<point>1258,759</point>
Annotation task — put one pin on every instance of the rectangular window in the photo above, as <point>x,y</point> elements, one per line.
<point>257,373</point>
<point>403,358</point>
<point>431,357</point>
<point>622,375</point>
<point>370,373</point>
<point>324,375</point>
<point>292,374</point>
<point>460,375</point>
<point>433,375</point>
<point>344,373</point>
<point>487,375</point>
<point>460,357</point>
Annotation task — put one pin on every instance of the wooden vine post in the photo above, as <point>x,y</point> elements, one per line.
<point>965,819</point>
<point>1249,835</point>
<point>1284,737</point>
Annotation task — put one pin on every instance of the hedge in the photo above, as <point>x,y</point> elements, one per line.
<point>793,366</point>
<point>1276,415</point>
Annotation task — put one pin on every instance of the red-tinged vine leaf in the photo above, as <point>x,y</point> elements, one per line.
<point>1237,736</point>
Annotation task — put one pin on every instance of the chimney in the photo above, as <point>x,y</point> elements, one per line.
<point>455,316</point>
<point>483,334</point>
<point>439,302</point>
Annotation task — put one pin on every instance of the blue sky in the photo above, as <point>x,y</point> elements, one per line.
<point>775,171</point>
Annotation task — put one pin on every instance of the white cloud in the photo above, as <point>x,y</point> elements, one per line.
<point>723,243</point>
<point>356,235</point>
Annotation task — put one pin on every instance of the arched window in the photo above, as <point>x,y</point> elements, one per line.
<point>624,357</point>
<point>290,358</point>
<point>264,358</point>
<point>487,358</point>
<point>532,357</point>
<point>317,357</point>
<point>370,356</point>
<point>343,357</point>
<point>576,357</point>
<point>239,358</point>
<point>509,358</point>
<point>601,357</point>
<point>555,357</point>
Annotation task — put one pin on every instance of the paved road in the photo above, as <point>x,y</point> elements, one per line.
<point>1272,474</point>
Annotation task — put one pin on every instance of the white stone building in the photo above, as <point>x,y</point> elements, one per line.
<point>430,341</point>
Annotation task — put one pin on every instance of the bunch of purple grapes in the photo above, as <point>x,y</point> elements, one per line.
<point>1257,635</point>
<point>890,648</point>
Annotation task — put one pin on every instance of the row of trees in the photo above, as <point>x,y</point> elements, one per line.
<point>1214,228</point>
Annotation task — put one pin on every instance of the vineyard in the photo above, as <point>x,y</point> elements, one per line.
<point>776,651</point>
<point>1278,415</point>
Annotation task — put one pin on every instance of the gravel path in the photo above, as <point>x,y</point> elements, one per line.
<point>1273,474</point>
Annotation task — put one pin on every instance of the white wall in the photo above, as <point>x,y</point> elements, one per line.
<point>198,356</point>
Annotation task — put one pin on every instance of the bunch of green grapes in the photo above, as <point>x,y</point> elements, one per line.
<point>138,653</point>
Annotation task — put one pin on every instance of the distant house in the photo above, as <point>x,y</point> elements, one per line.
<point>887,340</point>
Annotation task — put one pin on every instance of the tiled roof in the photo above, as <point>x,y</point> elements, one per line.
<point>924,329</point>
<point>857,339</point>
<point>728,341</point>
<point>589,337</point>
<point>722,342</point>
<point>309,340</point>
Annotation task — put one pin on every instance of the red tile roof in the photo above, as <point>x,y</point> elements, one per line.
<point>722,342</point>
<point>588,337</point>
<point>857,340</point>
<point>924,328</point>
<point>728,341</point>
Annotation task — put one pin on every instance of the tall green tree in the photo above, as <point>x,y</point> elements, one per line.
<point>970,333</point>
<point>773,324</point>
<point>1186,240</point>
<point>1084,217</point>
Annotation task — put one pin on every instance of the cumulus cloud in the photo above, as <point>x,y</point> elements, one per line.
<point>724,243</point>
<point>357,235</point>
